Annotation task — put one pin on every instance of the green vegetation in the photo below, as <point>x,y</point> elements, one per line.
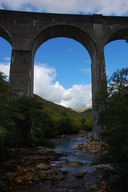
<point>112,104</point>
<point>88,116</point>
<point>26,120</point>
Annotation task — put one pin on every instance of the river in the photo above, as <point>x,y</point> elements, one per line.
<point>73,156</point>
<point>79,170</point>
<point>64,168</point>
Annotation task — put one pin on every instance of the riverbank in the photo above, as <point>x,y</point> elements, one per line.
<point>23,167</point>
<point>63,168</point>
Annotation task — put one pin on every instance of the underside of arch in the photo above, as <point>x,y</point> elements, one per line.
<point>119,34</point>
<point>64,31</point>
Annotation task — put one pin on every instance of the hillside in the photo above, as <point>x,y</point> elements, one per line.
<point>57,112</point>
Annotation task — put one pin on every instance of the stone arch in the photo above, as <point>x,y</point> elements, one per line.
<point>64,31</point>
<point>6,35</point>
<point>118,34</point>
<point>87,41</point>
<point>68,31</point>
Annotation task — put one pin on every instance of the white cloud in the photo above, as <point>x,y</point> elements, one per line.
<point>106,7</point>
<point>77,96</point>
<point>46,86</point>
<point>5,67</point>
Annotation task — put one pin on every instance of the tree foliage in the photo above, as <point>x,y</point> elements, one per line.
<point>112,104</point>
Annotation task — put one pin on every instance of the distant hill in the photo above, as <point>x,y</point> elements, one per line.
<point>83,109</point>
<point>89,110</point>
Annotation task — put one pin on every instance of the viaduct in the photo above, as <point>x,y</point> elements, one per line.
<point>26,31</point>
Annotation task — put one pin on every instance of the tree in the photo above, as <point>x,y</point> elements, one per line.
<point>112,105</point>
<point>27,114</point>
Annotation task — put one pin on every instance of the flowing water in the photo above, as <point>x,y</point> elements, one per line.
<point>77,170</point>
<point>74,160</point>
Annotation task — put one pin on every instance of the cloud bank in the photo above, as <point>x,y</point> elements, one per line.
<point>46,86</point>
<point>105,7</point>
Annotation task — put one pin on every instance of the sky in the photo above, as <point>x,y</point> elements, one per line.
<point>62,66</point>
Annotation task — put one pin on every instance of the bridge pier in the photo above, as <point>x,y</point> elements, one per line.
<point>98,75</point>
<point>21,72</point>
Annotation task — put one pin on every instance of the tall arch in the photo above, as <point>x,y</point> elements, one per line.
<point>68,31</point>
<point>65,31</point>
<point>97,73</point>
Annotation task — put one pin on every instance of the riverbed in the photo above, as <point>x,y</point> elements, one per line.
<point>79,170</point>
<point>61,168</point>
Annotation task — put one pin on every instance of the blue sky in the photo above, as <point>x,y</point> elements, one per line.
<point>69,58</point>
<point>62,67</point>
